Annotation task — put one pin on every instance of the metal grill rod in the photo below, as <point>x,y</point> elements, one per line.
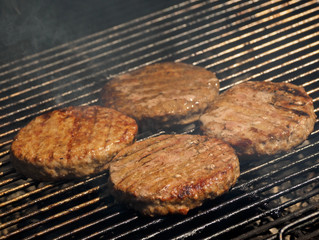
<point>245,195</point>
<point>190,56</point>
<point>278,58</point>
<point>62,213</point>
<point>83,86</point>
<point>122,37</point>
<point>65,93</point>
<point>257,203</point>
<point>86,52</point>
<point>45,197</point>
<point>15,189</point>
<point>298,222</point>
<point>129,24</point>
<point>281,220</point>
<point>74,99</point>
<point>247,26</point>
<point>41,76</point>
<point>280,158</point>
<point>267,44</point>
<point>5,143</point>
<point>66,235</point>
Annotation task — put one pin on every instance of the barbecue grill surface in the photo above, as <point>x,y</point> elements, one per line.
<point>53,56</point>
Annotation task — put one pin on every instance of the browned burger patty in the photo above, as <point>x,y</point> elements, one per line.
<point>162,94</point>
<point>261,118</point>
<point>71,142</point>
<point>172,173</point>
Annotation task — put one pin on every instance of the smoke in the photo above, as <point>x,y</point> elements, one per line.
<point>29,26</point>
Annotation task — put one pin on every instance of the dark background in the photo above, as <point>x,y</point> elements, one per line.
<point>27,27</point>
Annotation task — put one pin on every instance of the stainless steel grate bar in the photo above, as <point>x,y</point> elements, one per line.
<point>240,40</point>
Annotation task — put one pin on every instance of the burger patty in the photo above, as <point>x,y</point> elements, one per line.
<point>71,142</point>
<point>261,118</point>
<point>163,94</point>
<point>172,173</point>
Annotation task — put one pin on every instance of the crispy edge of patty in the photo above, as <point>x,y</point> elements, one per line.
<point>71,153</point>
<point>290,111</point>
<point>170,101</point>
<point>212,177</point>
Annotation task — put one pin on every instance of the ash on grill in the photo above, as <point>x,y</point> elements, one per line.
<point>287,200</point>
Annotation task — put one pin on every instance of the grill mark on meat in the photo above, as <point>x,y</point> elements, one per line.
<point>163,139</point>
<point>73,130</point>
<point>107,128</point>
<point>280,99</point>
<point>71,143</point>
<point>277,88</point>
<point>46,117</point>
<point>191,189</point>
<point>168,166</point>
<point>155,147</point>
<point>152,149</point>
<point>89,133</point>
<point>271,123</point>
<point>294,91</point>
<point>148,176</point>
<point>273,116</point>
<point>162,94</point>
<point>263,113</point>
<point>295,111</point>
<point>259,112</point>
<point>156,94</point>
<point>182,181</point>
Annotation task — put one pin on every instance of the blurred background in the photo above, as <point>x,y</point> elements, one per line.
<point>28,27</point>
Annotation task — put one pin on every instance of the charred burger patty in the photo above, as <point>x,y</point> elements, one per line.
<point>261,118</point>
<point>163,94</point>
<point>71,142</point>
<point>172,173</point>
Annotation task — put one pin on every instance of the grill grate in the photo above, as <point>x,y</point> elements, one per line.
<point>275,197</point>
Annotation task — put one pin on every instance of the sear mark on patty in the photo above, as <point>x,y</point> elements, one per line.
<point>162,95</point>
<point>261,118</point>
<point>71,142</point>
<point>172,173</point>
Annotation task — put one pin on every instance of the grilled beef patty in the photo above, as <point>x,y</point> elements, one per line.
<point>161,95</point>
<point>71,142</point>
<point>261,118</point>
<point>172,173</point>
